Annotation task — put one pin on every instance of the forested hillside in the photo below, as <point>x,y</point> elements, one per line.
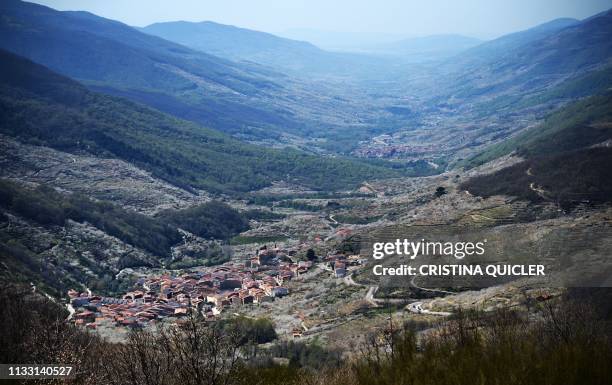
<point>244,99</point>
<point>297,58</point>
<point>531,61</point>
<point>41,107</point>
<point>580,124</point>
<point>568,158</point>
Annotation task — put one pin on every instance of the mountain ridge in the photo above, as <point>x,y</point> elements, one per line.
<point>246,99</point>
<point>296,57</point>
<point>531,60</point>
<point>42,107</point>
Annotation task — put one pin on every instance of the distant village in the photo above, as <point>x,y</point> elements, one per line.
<point>207,290</point>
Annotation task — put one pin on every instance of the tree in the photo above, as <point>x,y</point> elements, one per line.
<point>440,191</point>
<point>196,353</point>
<point>310,255</point>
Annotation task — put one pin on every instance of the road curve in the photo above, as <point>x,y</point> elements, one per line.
<point>417,307</point>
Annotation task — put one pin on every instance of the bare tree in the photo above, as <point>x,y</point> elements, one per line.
<point>192,353</point>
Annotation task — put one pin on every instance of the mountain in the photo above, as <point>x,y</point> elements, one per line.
<point>490,92</point>
<point>340,41</point>
<point>418,49</point>
<point>567,158</point>
<point>41,107</point>
<point>296,57</point>
<point>566,179</point>
<point>234,43</point>
<point>576,126</point>
<point>517,39</point>
<point>88,47</point>
<point>531,61</point>
<point>246,100</point>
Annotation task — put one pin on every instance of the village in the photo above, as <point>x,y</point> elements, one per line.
<point>206,291</point>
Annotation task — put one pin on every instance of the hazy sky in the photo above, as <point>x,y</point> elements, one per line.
<point>478,18</point>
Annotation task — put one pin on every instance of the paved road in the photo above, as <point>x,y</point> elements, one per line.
<point>351,282</point>
<point>426,289</point>
<point>323,266</point>
<point>417,307</point>
<point>541,192</point>
<point>71,311</point>
<point>369,297</point>
<point>377,301</point>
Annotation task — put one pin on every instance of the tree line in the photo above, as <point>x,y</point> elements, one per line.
<point>562,340</point>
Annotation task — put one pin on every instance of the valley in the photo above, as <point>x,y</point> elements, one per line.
<point>155,177</point>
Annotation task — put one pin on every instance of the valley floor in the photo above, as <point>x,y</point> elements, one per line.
<point>322,304</point>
